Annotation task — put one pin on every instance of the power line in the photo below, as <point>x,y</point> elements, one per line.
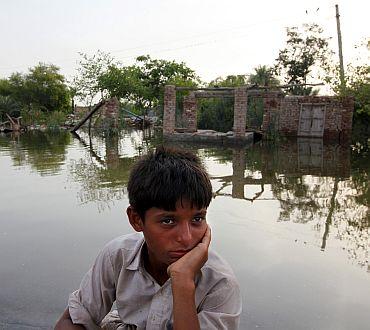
<point>169,41</point>
<point>192,45</point>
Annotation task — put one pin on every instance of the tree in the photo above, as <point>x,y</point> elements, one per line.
<point>143,83</point>
<point>263,76</point>
<point>86,83</point>
<point>357,79</point>
<point>229,81</point>
<point>43,87</point>
<point>218,113</point>
<point>7,103</point>
<point>124,83</point>
<point>46,88</point>
<point>155,74</point>
<point>9,106</point>
<point>357,85</point>
<point>305,51</point>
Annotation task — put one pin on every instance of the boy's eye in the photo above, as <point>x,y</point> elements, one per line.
<point>198,219</point>
<point>167,221</point>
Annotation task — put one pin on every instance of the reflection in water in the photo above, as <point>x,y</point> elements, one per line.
<point>315,184</point>
<point>280,205</point>
<point>45,151</point>
<point>238,181</point>
<point>104,174</point>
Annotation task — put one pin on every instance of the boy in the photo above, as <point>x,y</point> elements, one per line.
<point>167,279</point>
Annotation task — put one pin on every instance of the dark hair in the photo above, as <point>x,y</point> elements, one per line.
<point>165,176</point>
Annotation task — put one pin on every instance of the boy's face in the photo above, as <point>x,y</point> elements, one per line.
<point>170,234</point>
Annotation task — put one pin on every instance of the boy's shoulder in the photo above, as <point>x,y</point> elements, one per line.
<point>124,249</point>
<point>127,242</point>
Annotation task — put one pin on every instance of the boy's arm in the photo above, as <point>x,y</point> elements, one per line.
<point>182,273</point>
<point>88,305</point>
<point>65,323</point>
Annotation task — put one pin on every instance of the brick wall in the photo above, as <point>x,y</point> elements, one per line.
<point>169,110</point>
<point>240,110</point>
<point>107,116</point>
<point>110,111</point>
<point>286,112</point>
<point>281,114</point>
<point>190,112</point>
<point>271,106</point>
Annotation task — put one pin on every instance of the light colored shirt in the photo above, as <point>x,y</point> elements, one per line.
<point>118,275</point>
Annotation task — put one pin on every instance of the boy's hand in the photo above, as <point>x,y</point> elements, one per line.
<point>182,273</point>
<point>188,266</point>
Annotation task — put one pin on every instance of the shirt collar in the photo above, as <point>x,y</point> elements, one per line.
<point>136,259</point>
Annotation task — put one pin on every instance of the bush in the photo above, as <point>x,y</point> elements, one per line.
<point>216,114</point>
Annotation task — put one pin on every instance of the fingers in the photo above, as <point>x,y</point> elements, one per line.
<point>207,236</point>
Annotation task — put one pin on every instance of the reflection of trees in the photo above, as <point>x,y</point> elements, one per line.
<point>317,187</point>
<point>103,175</point>
<point>313,184</point>
<point>329,218</point>
<point>45,151</point>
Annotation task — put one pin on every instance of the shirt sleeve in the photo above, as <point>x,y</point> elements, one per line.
<point>93,300</point>
<point>221,308</point>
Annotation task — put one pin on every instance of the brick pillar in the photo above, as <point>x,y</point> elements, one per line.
<point>169,111</point>
<point>111,111</point>
<point>190,112</point>
<point>240,112</point>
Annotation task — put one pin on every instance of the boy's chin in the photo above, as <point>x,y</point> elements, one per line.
<point>172,260</point>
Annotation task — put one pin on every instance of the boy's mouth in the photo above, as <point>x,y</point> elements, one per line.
<point>178,253</point>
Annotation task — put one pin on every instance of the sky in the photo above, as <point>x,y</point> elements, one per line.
<point>214,38</point>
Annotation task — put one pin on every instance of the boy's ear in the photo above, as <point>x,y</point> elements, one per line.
<point>135,219</point>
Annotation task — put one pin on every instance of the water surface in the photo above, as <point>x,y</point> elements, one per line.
<point>291,218</point>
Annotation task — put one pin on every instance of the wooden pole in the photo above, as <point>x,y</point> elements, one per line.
<point>341,66</point>
<point>87,116</point>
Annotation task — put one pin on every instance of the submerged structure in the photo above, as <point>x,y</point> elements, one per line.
<point>327,117</point>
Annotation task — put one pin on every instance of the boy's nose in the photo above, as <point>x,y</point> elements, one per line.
<point>184,235</point>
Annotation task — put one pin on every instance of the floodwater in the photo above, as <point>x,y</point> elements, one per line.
<point>292,219</point>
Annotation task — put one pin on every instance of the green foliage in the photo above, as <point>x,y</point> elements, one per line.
<point>123,83</point>
<point>360,89</point>
<point>43,87</point>
<point>218,114</point>
<point>304,51</point>
<point>229,81</point>
<point>263,76</point>
<point>5,87</point>
<point>86,82</point>
<point>34,116</point>
<point>55,119</point>
<point>357,85</point>
<point>9,106</point>
<point>155,74</point>
<point>141,83</point>
<point>254,113</point>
